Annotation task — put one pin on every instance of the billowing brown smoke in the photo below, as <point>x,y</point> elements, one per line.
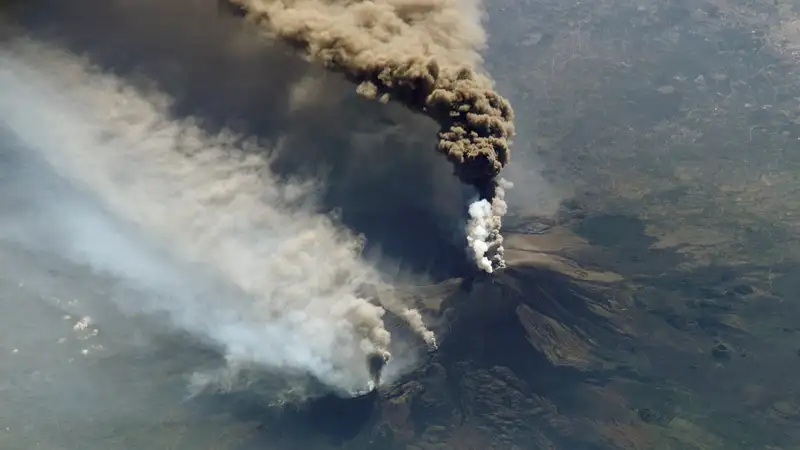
<point>412,51</point>
<point>422,53</point>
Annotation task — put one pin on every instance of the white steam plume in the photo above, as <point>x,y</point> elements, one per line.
<point>483,229</point>
<point>295,276</point>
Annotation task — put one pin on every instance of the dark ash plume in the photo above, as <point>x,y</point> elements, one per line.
<point>423,54</point>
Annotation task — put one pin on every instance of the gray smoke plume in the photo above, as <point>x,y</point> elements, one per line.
<point>425,55</point>
<point>295,282</point>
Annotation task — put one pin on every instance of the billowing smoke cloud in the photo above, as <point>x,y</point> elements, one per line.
<point>376,158</point>
<point>423,54</point>
<point>236,255</point>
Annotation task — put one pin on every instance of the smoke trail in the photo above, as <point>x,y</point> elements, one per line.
<point>220,70</point>
<point>423,54</point>
<point>295,279</point>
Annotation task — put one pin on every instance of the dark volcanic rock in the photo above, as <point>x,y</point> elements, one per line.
<point>520,343</point>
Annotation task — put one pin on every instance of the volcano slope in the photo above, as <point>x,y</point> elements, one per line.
<point>525,361</point>
<point>556,353</point>
<point>521,360</point>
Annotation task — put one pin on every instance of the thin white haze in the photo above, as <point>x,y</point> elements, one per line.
<point>234,255</point>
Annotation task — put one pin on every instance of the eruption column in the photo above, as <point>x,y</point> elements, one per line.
<point>425,55</point>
